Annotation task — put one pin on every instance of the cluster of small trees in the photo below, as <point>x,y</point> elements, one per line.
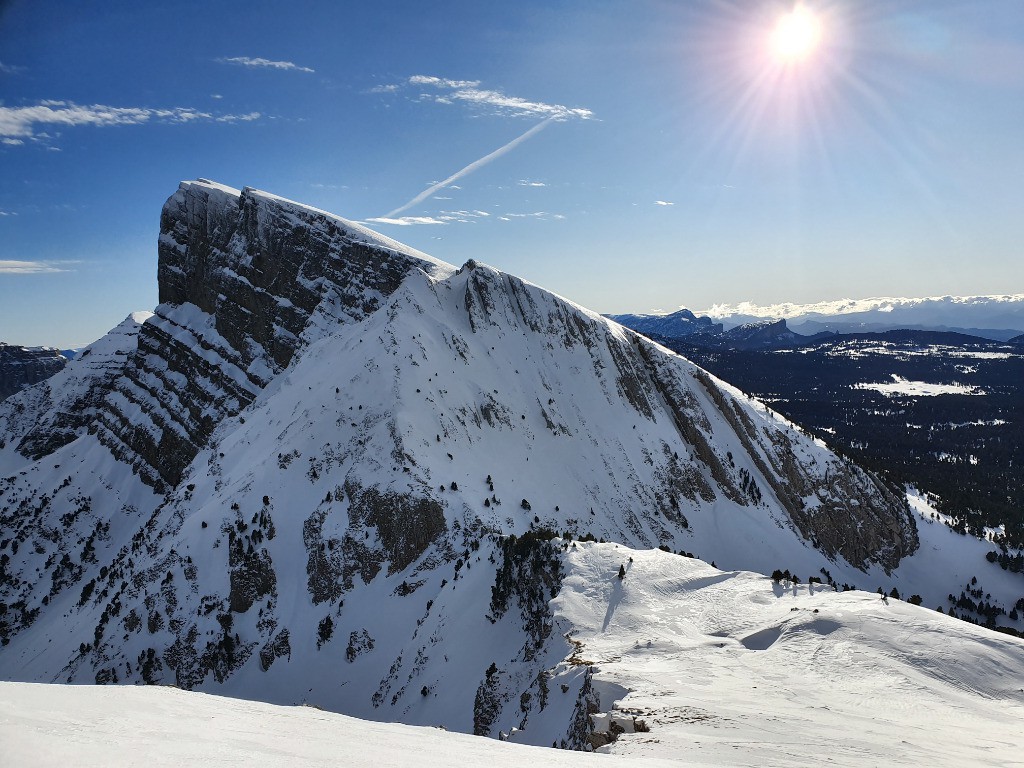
<point>1008,562</point>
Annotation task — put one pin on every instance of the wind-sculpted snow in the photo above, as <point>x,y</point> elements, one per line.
<point>298,480</point>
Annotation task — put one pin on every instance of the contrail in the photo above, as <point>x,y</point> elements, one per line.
<point>469,168</point>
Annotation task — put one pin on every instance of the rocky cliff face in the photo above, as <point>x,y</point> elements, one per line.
<point>242,275</point>
<point>21,367</point>
<point>300,475</point>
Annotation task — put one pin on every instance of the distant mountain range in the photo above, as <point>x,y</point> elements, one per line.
<point>994,317</point>
<point>748,326</point>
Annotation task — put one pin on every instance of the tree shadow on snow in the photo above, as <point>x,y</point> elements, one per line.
<point>614,600</point>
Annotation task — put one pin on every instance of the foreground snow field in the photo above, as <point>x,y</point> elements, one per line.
<point>725,668</point>
<point>63,725</point>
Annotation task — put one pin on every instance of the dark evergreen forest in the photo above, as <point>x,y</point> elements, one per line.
<point>967,450</point>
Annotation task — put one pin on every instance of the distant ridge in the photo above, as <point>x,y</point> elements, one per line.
<point>998,317</point>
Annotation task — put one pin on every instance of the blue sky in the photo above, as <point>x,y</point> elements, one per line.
<point>632,156</point>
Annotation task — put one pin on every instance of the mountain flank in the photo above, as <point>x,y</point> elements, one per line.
<point>331,469</point>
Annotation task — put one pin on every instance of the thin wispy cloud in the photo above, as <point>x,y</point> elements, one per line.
<point>476,164</point>
<point>535,215</point>
<point>18,124</point>
<point>528,183</point>
<point>406,221</point>
<point>663,202</point>
<point>33,267</point>
<point>261,63</point>
<point>442,82</point>
<point>8,69</point>
<point>444,217</point>
<point>8,213</point>
<point>469,93</point>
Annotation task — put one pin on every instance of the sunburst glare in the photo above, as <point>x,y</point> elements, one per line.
<point>797,34</point>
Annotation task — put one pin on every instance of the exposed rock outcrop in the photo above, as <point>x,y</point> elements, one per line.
<point>21,367</point>
<point>241,277</point>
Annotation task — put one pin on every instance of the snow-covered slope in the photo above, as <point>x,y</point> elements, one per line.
<point>48,726</point>
<point>697,666</point>
<point>732,669</point>
<point>997,317</point>
<point>298,480</point>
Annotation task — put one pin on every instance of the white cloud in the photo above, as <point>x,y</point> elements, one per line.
<point>662,202</point>
<point>444,217</point>
<point>20,123</point>
<point>32,267</point>
<point>8,213</point>
<point>535,215</point>
<point>528,183</point>
<point>516,106</point>
<point>246,61</point>
<point>248,117</point>
<point>406,221</point>
<point>8,69</point>
<point>442,83</point>
<point>494,101</point>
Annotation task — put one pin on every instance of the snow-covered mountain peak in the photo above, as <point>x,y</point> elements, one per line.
<point>325,461</point>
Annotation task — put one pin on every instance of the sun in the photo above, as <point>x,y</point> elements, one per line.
<point>796,35</point>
